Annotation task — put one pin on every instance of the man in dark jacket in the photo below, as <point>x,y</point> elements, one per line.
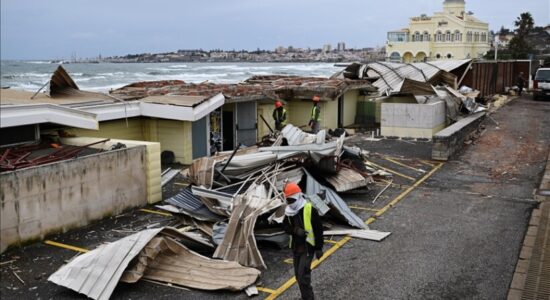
<point>520,81</point>
<point>304,225</point>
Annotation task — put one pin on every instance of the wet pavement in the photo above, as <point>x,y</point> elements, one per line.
<point>455,234</point>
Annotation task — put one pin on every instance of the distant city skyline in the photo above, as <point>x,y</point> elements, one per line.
<point>34,29</point>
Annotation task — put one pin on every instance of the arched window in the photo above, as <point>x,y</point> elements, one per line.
<point>438,36</point>
<point>483,37</point>
<point>416,37</point>
<point>448,36</point>
<point>395,57</point>
<point>476,37</point>
<point>469,36</point>
<point>426,36</point>
<point>458,36</point>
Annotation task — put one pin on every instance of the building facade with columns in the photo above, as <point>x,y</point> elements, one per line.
<point>451,34</point>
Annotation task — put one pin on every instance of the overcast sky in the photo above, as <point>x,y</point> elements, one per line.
<point>38,29</point>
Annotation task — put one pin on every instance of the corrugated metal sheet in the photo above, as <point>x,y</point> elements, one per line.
<point>169,261</point>
<point>224,199</point>
<point>341,210</point>
<point>160,257</point>
<point>239,243</point>
<point>392,74</point>
<point>96,273</point>
<point>346,180</point>
<point>366,234</point>
<point>192,206</point>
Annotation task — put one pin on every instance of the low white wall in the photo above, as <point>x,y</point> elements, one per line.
<point>412,120</point>
<point>59,196</point>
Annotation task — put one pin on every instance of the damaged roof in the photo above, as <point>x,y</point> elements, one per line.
<point>389,77</point>
<point>254,88</point>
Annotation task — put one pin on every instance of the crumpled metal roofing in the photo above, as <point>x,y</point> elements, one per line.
<point>191,205</point>
<point>392,74</point>
<point>96,273</point>
<point>341,209</point>
<point>238,242</point>
<point>161,257</point>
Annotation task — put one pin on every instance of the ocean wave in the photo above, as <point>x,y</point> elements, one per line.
<point>38,62</point>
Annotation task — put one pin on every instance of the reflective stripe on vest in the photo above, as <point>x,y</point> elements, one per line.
<point>310,238</point>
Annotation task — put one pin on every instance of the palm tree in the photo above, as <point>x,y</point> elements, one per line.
<point>519,46</point>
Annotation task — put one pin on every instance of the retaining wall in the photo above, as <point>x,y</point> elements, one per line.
<point>56,197</point>
<point>449,141</point>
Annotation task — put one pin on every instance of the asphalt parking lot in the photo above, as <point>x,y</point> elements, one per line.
<point>457,226</point>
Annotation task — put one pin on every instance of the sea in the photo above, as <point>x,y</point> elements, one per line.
<point>102,77</point>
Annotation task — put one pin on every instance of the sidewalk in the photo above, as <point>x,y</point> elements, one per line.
<point>532,276</point>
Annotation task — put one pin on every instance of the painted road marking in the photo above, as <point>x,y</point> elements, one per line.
<point>346,239</point>
<point>362,208</point>
<point>156,212</point>
<point>65,246</point>
<point>403,165</point>
<point>265,290</point>
<point>391,171</point>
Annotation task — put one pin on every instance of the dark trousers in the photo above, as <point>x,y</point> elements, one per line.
<point>302,271</point>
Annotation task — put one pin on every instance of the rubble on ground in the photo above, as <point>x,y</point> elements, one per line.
<point>235,199</point>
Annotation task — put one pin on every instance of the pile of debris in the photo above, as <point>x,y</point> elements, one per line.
<point>235,200</point>
<point>35,154</point>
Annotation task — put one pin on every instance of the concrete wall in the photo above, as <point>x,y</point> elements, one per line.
<point>173,135</point>
<point>412,120</point>
<point>116,129</point>
<point>56,197</point>
<point>152,158</point>
<point>300,112</point>
<point>265,110</point>
<point>450,141</point>
<point>350,107</point>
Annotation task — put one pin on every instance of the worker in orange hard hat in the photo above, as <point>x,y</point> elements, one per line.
<point>315,121</point>
<point>304,225</point>
<point>279,115</point>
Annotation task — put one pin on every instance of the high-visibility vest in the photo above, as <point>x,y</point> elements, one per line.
<point>310,237</point>
<point>282,116</point>
<point>314,112</point>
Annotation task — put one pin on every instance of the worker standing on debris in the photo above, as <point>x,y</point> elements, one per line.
<point>304,225</point>
<point>315,114</point>
<point>279,115</point>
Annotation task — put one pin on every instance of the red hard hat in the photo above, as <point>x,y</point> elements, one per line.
<point>316,98</point>
<point>278,104</point>
<point>292,189</point>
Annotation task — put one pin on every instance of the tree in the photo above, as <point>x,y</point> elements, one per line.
<point>519,47</point>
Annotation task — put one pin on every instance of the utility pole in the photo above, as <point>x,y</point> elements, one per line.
<point>496,47</point>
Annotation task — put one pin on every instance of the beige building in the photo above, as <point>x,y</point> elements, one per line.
<point>451,34</point>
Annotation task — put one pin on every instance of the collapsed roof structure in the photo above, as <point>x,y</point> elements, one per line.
<point>255,88</point>
<point>391,78</point>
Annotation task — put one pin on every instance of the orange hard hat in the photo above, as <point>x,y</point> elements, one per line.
<point>316,98</point>
<point>292,189</point>
<point>278,104</point>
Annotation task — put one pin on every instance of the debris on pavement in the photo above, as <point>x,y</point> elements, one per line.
<point>154,254</point>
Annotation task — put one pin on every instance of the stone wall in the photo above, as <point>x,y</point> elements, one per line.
<point>56,197</point>
<point>449,141</point>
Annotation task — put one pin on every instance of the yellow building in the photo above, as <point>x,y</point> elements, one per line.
<point>451,34</point>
